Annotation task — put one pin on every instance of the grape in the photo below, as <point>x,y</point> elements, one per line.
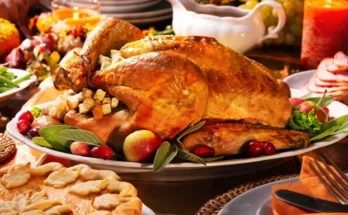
<point>251,3</point>
<point>280,38</point>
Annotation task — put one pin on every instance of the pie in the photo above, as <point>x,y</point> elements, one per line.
<point>52,189</point>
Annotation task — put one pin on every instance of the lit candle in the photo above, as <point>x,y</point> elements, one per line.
<point>325,30</point>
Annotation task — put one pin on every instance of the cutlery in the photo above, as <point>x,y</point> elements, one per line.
<point>310,203</point>
<point>336,181</point>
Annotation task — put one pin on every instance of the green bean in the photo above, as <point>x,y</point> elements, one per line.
<point>7,81</point>
<point>4,89</point>
<point>21,79</point>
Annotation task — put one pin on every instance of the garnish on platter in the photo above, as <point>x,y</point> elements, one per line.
<point>165,99</point>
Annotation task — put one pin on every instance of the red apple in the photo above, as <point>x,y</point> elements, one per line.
<point>296,101</point>
<point>79,148</point>
<point>306,106</point>
<point>141,145</point>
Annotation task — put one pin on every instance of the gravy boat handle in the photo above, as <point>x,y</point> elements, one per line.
<point>273,33</point>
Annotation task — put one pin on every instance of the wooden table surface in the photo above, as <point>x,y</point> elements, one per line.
<point>187,197</point>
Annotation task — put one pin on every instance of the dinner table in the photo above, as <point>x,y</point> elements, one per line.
<point>189,197</point>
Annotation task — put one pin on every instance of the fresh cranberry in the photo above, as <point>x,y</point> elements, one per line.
<point>326,109</point>
<point>269,148</point>
<point>255,148</point>
<point>104,152</point>
<point>27,115</point>
<point>34,132</point>
<point>204,151</point>
<point>23,126</point>
<point>79,148</point>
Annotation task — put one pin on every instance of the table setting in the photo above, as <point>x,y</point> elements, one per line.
<point>174,107</point>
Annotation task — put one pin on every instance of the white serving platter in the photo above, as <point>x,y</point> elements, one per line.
<point>188,170</point>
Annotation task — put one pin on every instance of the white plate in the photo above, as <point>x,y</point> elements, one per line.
<point>195,171</point>
<point>128,2</point>
<point>298,80</point>
<point>147,211</point>
<point>19,73</point>
<point>163,8</point>
<point>256,201</point>
<point>148,20</point>
<point>127,8</point>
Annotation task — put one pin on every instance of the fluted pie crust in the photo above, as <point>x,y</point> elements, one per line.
<point>52,189</point>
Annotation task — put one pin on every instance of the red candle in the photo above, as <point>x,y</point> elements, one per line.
<point>325,30</point>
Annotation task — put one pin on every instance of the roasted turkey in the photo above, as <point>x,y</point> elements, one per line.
<point>168,83</point>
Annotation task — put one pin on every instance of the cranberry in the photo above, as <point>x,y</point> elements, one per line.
<point>79,148</point>
<point>104,152</point>
<point>204,151</point>
<point>255,148</point>
<point>326,109</point>
<point>23,126</point>
<point>34,132</point>
<point>27,115</point>
<point>269,148</point>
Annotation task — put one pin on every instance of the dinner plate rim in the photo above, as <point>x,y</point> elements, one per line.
<point>24,84</point>
<point>305,73</point>
<point>262,201</point>
<point>128,8</point>
<point>11,128</point>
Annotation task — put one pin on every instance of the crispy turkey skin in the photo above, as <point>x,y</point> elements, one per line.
<point>239,88</point>
<point>168,83</point>
<point>230,138</point>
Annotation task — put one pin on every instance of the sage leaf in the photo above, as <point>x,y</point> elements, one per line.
<point>40,141</point>
<point>185,155</point>
<point>213,159</point>
<point>164,155</point>
<point>191,130</point>
<point>340,121</point>
<point>49,133</point>
<point>326,133</point>
<point>80,135</point>
<point>324,102</point>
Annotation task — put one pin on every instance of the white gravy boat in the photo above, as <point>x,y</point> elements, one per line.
<point>234,27</point>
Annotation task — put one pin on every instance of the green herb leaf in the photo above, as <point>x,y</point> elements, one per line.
<point>40,141</point>
<point>191,130</point>
<point>340,121</point>
<point>309,124</point>
<point>185,155</point>
<point>326,133</point>
<point>164,155</point>
<point>324,102</point>
<point>213,159</point>
<point>79,135</point>
<point>36,111</point>
<point>49,133</point>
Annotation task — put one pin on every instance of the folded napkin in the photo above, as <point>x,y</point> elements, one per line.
<point>308,184</point>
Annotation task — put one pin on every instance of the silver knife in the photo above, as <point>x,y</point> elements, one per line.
<point>310,203</point>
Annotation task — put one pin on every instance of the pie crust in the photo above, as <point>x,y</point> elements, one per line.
<point>52,189</point>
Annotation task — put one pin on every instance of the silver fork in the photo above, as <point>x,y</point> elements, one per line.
<point>336,185</point>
